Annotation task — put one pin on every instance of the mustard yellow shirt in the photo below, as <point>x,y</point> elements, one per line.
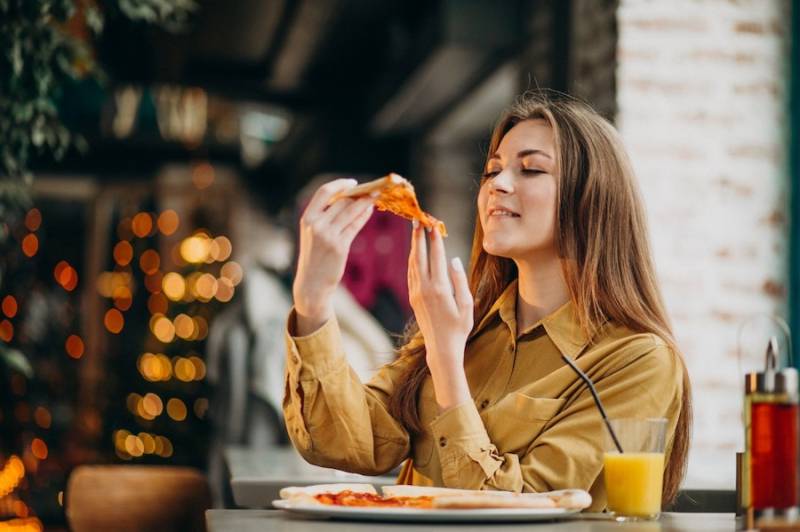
<point>532,424</point>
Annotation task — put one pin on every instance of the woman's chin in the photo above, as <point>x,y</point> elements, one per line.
<point>498,249</point>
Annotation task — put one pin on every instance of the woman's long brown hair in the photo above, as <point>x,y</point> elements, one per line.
<point>601,236</point>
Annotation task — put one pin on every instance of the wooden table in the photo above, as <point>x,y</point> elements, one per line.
<point>257,475</point>
<point>278,521</point>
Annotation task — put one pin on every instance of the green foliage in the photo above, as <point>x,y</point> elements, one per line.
<point>39,57</point>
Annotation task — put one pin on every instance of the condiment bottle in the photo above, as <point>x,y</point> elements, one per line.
<point>772,441</point>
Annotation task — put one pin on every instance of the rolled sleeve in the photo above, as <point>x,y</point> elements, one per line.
<point>466,453</point>
<point>317,354</point>
<point>332,418</point>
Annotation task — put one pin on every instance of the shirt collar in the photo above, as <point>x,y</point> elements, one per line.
<point>561,325</point>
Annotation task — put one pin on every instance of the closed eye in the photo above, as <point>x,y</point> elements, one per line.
<point>489,175</point>
<point>532,171</point>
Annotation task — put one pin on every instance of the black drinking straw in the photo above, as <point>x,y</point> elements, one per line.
<point>585,378</point>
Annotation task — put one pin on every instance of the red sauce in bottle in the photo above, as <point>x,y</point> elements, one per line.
<point>774,455</point>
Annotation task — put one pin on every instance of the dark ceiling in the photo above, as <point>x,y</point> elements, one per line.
<point>359,77</point>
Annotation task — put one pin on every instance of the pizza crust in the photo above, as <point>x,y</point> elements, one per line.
<point>395,194</point>
<point>448,497</point>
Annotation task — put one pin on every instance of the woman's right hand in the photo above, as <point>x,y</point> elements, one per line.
<point>326,232</point>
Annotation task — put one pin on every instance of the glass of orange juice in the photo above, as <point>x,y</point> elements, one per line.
<point>634,477</point>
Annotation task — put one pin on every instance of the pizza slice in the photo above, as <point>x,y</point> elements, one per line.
<point>422,497</point>
<point>395,194</point>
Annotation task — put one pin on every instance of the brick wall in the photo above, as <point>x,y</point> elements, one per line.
<point>701,96</point>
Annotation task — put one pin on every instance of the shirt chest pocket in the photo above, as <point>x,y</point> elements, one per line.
<point>515,421</point>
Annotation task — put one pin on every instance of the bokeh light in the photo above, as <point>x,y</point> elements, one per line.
<point>151,405</point>
<point>174,286</point>
<point>150,261</point>
<point>184,326</point>
<point>42,417</point>
<point>221,248</point>
<point>233,271</point>
<point>33,219</point>
<point>66,275</point>
<point>199,367</point>
<point>122,297</point>
<point>9,306</point>
<point>142,224</point>
<point>157,304</point>
<point>123,253</point>
<point>206,287</point>
<point>195,249</point>
<point>184,369</point>
<point>114,321</point>
<point>168,222</point>
<point>176,409</point>
<point>74,346</point>
<point>134,445</point>
<point>39,448</point>
<point>6,331</point>
<point>108,282</point>
<point>148,442</point>
<point>225,290</point>
<point>203,175</point>
<point>153,282</point>
<point>163,329</point>
<point>30,245</point>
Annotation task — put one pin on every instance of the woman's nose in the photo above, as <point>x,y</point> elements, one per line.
<point>502,182</point>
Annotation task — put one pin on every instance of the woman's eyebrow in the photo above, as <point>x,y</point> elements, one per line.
<point>523,153</point>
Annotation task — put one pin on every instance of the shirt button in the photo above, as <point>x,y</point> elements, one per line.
<point>484,403</point>
<point>442,441</point>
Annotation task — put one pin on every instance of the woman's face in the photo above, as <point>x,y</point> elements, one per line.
<point>517,199</point>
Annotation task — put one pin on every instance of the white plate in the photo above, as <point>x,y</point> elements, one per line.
<point>495,515</point>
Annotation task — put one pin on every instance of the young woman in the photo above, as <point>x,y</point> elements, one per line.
<point>480,397</point>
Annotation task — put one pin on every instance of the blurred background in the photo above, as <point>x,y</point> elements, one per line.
<point>156,155</point>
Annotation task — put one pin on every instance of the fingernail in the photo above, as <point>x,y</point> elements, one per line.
<point>414,224</point>
<point>456,262</point>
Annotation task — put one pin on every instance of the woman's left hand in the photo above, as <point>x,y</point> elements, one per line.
<point>443,308</point>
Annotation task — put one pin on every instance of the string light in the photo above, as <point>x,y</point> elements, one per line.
<point>176,409</point>
<point>149,261</point>
<point>184,326</point>
<point>168,222</point>
<point>123,253</point>
<point>66,276</point>
<point>163,329</point>
<point>9,306</point>
<point>42,417</point>
<point>114,321</point>
<point>222,248</point>
<point>157,304</point>
<point>33,219</point>
<point>6,331</point>
<point>174,286</point>
<point>195,249</point>
<point>11,474</point>
<point>225,290</point>
<point>39,448</point>
<point>74,346</point>
<point>30,245</point>
<point>206,287</point>
<point>203,175</point>
<point>142,224</point>
<point>122,297</point>
<point>233,271</point>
